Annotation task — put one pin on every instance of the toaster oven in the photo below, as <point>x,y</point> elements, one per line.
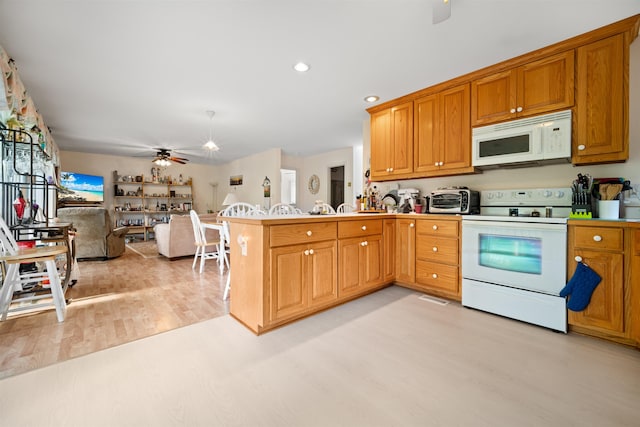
<point>454,201</point>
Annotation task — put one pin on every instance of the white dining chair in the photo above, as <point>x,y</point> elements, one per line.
<point>205,248</point>
<point>282,209</point>
<point>345,208</point>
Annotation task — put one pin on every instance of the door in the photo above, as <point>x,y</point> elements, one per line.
<point>289,294</point>
<point>600,103</point>
<point>516,254</point>
<point>406,250</point>
<point>349,266</point>
<point>323,279</point>
<point>371,261</point>
<point>336,188</point>
<point>606,307</point>
<point>455,128</point>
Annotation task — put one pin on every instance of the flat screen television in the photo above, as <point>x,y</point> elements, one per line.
<point>81,188</point>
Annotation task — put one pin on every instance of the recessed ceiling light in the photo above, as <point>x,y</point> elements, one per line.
<point>371,98</point>
<point>301,67</point>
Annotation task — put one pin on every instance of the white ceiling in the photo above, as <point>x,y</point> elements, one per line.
<point>123,77</point>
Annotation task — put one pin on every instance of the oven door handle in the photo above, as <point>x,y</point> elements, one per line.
<point>516,224</point>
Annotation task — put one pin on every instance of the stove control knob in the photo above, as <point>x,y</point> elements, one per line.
<point>547,193</point>
<point>489,195</point>
<point>559,194</point>
<point>499,195</point>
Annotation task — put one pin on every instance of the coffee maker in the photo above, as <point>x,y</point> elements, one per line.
<point>409,195</point>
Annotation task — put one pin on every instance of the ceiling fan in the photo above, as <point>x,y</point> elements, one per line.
<point>164,158</point>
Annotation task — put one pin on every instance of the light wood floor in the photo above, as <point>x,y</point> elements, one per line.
<point>387,359</point>
<point>113,302</point>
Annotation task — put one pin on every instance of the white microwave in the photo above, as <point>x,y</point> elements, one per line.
<point>534,140</point>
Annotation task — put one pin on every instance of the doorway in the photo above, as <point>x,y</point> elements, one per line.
<point>288,188</point>
<point>336,188</point>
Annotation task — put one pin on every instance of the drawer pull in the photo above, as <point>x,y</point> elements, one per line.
<point>364,228</point>
<point>435,249</point>
<point>435,227</point>
<point>434,275</point>
<point>578,258</point>
<point>309,233</point>
<point>597,238</point>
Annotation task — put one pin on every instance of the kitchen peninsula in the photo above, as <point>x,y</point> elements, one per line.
<point>284,268</point>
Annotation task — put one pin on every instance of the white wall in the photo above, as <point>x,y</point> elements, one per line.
<point>254,169</point>
<point>321,165</point>
<point>542,176</point>
<point>100,164</point>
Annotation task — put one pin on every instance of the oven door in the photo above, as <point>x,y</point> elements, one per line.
<point>530,256</point>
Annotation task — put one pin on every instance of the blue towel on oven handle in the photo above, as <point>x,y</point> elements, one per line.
<point>580,287</point>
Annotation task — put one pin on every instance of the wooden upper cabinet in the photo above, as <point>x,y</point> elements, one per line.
<point>601,113</point>
<point>380,143</point>
<point>392,141</point>
<point>534,88</point>
<point>442,132</point>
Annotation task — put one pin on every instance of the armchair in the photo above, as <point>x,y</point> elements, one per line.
<point>95,236</point>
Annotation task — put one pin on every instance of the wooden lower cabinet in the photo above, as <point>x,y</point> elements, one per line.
<point>406,250</point>
<point>360,264</point>
<point>302,277</point>
<point>438,257</point>
<point>603,249</point>
<point>389,249</point>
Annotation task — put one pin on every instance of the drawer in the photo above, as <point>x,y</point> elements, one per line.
<point>598,238</point>
<point>293,234</point>
<point>359,228</point>
<point>437,227</point>
<point>437,249</point>
<point>437,276</point>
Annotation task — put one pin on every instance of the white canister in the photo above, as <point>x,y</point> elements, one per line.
<point>609,209</point>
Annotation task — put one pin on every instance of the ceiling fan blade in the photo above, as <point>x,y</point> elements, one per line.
<point>441,10</point>
<point>177,161</point>
<point>179,158</point>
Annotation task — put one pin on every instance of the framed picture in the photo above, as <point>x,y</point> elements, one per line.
<point>235,180</point>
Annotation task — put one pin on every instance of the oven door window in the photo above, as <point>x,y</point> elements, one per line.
<point>511,253</point>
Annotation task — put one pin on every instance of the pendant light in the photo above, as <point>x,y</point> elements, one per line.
<point>210,145</point>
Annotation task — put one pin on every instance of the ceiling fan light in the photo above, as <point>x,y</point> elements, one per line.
<point>301,67</point>
<point>211,146</point>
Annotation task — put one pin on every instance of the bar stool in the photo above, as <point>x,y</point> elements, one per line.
<point>14,281</point>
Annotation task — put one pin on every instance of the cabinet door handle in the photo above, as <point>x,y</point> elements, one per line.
<point>513,110</point>
<point>364,227</point>
<point>365,243</point>
<point>306,252</point>
<point>435,249</point>
<point>412,225</point>
<point>390,169</point>
<point>578,258</point>
<point>309,233</point>
<point>310,251</point>
<point>435,227</point>
<point>435,164</point>
<point>519,109</point>
<point>434,275</point>
<point>597,238</point>
<point>441,163</point>
<point>581,147</point>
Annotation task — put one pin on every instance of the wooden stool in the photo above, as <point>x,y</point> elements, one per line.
<point>14,280</point>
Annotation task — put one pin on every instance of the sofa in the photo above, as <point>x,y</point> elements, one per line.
<point>95,236</point>
<point>175,239</point>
